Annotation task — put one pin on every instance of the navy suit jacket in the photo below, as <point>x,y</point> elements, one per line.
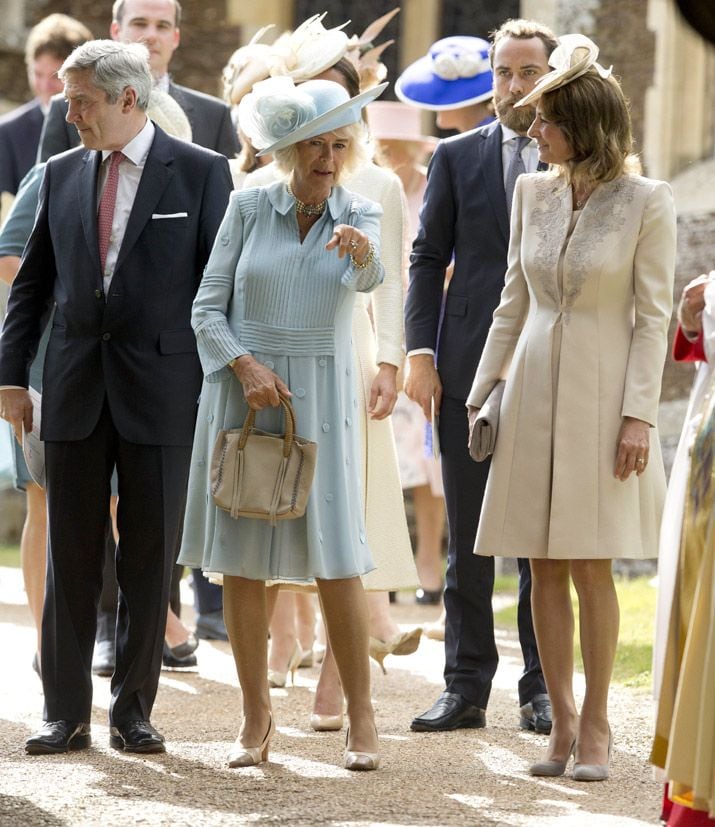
<point>136,348</point>
<point>19,138</point>
<point>210,120</point>
<point>464,214</point>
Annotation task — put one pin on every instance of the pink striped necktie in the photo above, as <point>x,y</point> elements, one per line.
<point>105,215</point>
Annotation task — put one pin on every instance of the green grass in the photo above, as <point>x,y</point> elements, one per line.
<point>10,556</point>
<point>635,643</point>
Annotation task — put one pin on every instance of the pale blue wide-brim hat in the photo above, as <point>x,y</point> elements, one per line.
<point>454,73</point>
<point>277,113</point>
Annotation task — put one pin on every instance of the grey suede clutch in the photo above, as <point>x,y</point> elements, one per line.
<point>483,436</point>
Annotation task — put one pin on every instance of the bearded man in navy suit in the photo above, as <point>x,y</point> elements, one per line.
<point>125,225</point>
<point>465,215</point>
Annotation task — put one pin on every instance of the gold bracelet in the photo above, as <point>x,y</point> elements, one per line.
<point>368,260</point>
<point>233,362</point>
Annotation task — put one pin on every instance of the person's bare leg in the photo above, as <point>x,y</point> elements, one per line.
<point>176,633</point>
<point>429,527</point>
<point>305,620</point>
<point>346,619</point>
<point>283,629</point>
<point>328,691</point>
<point>244,611</point>
<point>554,627</point>
<point>33,554</point>
<point>598,622</point>
<point>381,624</point>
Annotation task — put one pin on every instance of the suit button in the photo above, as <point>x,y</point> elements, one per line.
<point>326,427</point>
<point>98,294</point>
<point>300,392</point>
<point>106,336</point>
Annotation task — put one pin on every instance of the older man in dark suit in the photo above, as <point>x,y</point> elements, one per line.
<point>466,215</point>
<point>156,24</point>
<point>120,241</point>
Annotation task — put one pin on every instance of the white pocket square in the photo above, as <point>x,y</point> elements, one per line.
<point>170,215</point>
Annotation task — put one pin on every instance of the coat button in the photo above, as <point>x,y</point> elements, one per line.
<point>270,365</point>
<point>348,371</point>
<point>300,392</point>
<point>98,294</point>
<point>328,498</point>
<point>225,240</point>
<point>362,536</point>
<point>106,336</point>
<point>322,362</point>
<point>348,421</point>
<point>326,427</point>
<point>210,418</point>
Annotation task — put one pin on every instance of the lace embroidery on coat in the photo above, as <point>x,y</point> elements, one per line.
<point>607,211</point>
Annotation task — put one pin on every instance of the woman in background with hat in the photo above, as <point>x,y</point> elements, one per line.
<point>273,315</point>
<point>454,80</point>
<point>580,337</point>
<point>396,129</point>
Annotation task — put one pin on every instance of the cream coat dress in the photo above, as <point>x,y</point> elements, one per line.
<point>378,334</point>
<point>580,335</point>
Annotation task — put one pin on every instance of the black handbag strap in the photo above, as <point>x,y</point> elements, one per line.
<point>288,422</point>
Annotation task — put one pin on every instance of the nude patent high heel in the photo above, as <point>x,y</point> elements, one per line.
<point>359,761</point>
<point>277,679</point>
<point>241,756</point>
<point>404,643</point>
<point>326,723</point>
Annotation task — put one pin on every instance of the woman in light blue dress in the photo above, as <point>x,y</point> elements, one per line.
<point>274,313</point>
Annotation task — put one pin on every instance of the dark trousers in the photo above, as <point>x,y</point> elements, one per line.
<point>152,497</point>
<point>470,650</point>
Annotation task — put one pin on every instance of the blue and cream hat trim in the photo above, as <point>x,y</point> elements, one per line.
<point>455,73</point>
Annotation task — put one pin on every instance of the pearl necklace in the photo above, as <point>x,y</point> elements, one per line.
<point>307,209</point>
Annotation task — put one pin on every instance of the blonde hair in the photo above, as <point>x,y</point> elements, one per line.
<point>359,152</point>
<point>592,112</point>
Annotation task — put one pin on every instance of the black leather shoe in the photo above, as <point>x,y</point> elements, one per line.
<point>59,736</point>
<point>136,736</point>
<point>450,711</point>
<point>210,626</point>
<point>104,658</point>
<point>171,660</point>
<point>536,714</point>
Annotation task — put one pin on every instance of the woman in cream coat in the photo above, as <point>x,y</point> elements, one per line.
<point>580,337</point>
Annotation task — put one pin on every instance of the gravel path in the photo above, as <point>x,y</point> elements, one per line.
<point>467,777</point>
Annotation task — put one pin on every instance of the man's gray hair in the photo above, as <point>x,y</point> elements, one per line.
<point>114,67</point>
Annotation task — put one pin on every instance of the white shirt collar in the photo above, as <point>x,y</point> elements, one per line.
<point>509,134</point>
<point>138,148</point>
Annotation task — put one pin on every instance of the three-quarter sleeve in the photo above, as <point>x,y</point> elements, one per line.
<point>364,279</point>
<point>217,345</point>
<point>388,299</point>
<point>653,275</point>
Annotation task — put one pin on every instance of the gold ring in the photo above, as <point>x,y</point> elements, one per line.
<point>640,461</point>
<point>353,244</point>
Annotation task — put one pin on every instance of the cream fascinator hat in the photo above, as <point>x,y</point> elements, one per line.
<point>301,55</point>
<point>277,113</point>
<point>571,59</point>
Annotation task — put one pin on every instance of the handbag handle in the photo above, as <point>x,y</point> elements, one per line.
<point>289,423</point>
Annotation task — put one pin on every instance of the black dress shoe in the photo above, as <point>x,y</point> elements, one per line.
<point>450,711</point>
<point>170,659</point>
<point>136,736</point>
<point>59,736</point>
<point>104,658</point>
<point>536,714</point>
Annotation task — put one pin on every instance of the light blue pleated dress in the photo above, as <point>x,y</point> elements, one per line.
<point>289,305</point>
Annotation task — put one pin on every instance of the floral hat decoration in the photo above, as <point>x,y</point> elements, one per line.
<point>455,73</point>
<point>277,113</point>
<point>571,59</point>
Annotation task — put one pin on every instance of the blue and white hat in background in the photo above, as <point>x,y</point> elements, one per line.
<point>277,113</point>
<point>455,73</point>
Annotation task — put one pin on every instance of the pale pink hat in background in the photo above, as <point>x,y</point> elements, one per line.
<point>396,121</point>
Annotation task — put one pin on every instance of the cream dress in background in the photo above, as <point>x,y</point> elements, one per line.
<point>378,333</point>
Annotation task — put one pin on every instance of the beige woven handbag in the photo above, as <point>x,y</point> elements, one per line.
<point>262,475</point>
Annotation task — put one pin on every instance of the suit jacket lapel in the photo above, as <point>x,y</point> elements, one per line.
<point>493,174</point>
<point>87,196</point>
<point>155,178</point>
